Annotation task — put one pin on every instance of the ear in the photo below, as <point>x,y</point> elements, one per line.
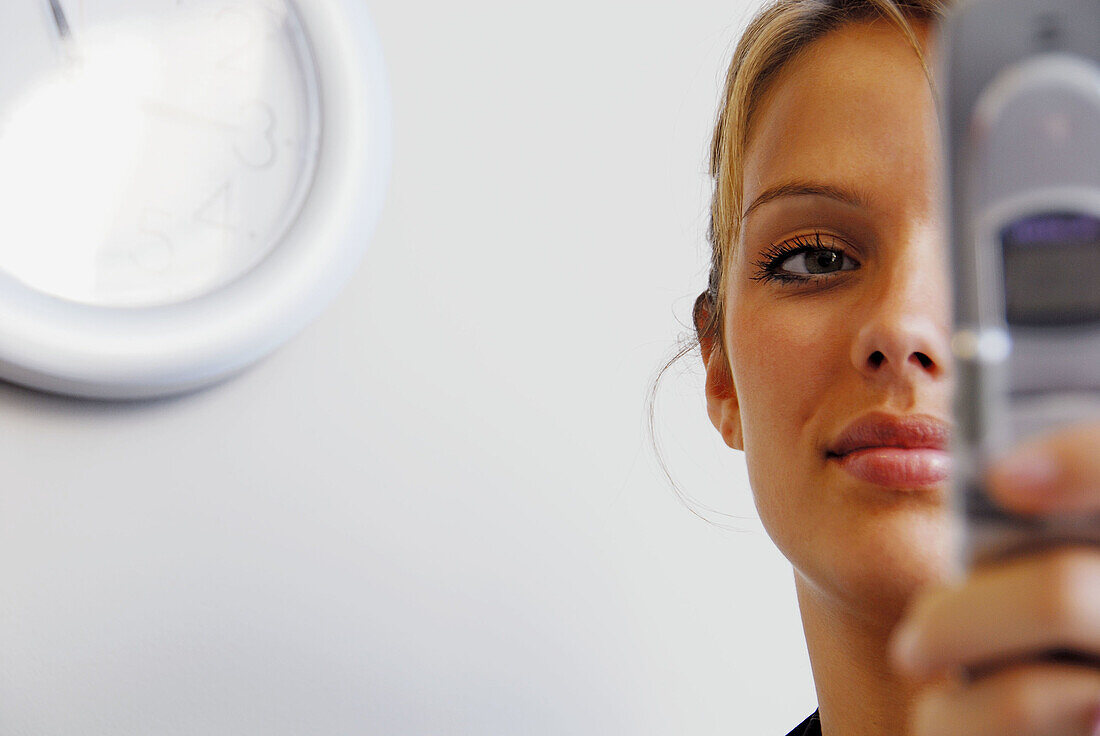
<point>722,405</point>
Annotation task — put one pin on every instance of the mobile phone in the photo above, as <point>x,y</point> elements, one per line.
<point>1019,93</point>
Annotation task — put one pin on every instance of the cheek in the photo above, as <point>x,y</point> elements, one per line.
<point>788,361</point>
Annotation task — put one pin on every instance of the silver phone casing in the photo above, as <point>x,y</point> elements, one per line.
<point>1021,121</point>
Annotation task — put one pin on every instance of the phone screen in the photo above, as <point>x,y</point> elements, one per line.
<point>1052,270</point>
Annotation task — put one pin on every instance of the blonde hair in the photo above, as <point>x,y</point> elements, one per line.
<point>776,35</point>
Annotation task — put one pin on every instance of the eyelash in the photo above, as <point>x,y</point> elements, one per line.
<point>768,265</point>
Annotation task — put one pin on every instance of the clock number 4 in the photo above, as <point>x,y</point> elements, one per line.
<point>215,211</point>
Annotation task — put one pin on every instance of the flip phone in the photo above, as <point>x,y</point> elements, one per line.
<point>1019,84</point>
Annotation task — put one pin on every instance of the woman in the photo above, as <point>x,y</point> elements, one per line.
<point>826,323</point>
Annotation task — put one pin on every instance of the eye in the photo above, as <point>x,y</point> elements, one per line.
<point>801,260</point>
<point>817,261</point>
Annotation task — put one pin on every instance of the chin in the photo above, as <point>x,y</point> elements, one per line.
<point>873,562</point>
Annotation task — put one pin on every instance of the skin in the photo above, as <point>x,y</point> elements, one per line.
<point>888,619</point>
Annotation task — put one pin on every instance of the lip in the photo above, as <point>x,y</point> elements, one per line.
<point>904,452</point>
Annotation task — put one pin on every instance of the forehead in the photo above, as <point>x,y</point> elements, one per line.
<point>853,109</point>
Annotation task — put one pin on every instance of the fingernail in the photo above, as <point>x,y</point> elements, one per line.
<point>903,650</point>
<point>1032,472</point>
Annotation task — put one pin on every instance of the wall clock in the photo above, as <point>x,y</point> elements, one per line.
<point>184,184</point>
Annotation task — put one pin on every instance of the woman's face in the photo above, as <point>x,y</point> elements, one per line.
<point>837,320</point>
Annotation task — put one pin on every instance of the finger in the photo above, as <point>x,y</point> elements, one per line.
<point>1015,609</point>
<point>1057,472</point>
<point>1023,700</point>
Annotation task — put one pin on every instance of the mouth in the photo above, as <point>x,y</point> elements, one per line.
<point>901,452</point>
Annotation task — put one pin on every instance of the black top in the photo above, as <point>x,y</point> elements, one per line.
<point>809,727</point>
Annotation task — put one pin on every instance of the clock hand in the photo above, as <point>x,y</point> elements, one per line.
<point>60,19</point>
<point>160,108</point>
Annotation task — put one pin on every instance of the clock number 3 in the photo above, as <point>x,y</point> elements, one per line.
<point>254,143</point>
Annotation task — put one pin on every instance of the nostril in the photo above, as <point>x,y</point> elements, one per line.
<point>876,359</point>
<point>925,361</point>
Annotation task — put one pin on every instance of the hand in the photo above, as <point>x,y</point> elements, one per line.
<point>981,631</point>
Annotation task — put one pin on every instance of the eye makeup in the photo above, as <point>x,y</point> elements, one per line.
<point>803,259</point>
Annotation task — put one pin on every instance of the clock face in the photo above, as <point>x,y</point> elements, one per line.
<point>151,151</point>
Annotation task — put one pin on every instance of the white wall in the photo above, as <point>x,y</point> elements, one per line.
<point>436,510</point>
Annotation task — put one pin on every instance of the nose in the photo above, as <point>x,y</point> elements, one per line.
<point>905,335</point>
<point>903,326</point>
<point>893,346</point>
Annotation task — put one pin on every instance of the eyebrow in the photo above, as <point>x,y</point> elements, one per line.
<point>801,188</point>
